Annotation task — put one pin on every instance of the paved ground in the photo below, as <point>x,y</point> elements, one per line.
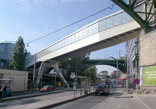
<point>38,101</point>
<point>117,100</point>
<point>34,91</point>
<point>149,100</point>
<point>106,102</point>
<point>84,103</point>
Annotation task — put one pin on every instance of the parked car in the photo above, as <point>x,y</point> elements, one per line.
<point>103,89</point>
<point>47,88</point>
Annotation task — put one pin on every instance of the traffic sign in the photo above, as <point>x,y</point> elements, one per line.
<point>11,78</point>
<point>72,76</point>
<point>136,81</point>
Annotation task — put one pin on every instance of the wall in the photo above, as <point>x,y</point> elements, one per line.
<point>20,79</point>
<point>148,58</point>
<point>148,48</point>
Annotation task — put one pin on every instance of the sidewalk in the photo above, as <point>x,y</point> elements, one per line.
<point>34,91</point>
<point>41,102</point>
<point>148,100</point>
<point>121,100</point>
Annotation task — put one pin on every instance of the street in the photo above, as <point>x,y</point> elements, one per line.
<point>84,103</point>
<point>106,102</point>
<point>118,99</point>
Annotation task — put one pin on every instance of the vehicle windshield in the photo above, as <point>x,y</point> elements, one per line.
<point>45,87</point>
<point>101,86</point>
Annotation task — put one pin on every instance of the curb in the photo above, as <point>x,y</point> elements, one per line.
<point>63,102</point>
<point>124,97</point>
<point>28,96</point>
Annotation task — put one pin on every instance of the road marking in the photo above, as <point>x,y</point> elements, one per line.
<point>142,102</point>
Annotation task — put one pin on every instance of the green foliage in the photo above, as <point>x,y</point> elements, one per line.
<point>91,72</point>
<point>73,65</point>
<point>19,55</point>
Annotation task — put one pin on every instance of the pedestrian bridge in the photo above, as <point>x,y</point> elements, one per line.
<point>108,31</point>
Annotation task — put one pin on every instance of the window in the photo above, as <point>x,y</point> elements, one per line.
<point>109,22</point>
<point>102,25</point>
<point>125,17</point>
<point>117,19</point>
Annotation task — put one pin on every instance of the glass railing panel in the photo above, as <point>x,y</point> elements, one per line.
<point>102,25</point>
<point>72,38</point>
<point>68,40</point>
<point>76,37</point>
<point>54,47</point>
<point>109,22</point>
<point>125,17</point>
<point>89,30</point>
<point>85,32</point>
<point>81,34</point>
<point>117,19</point>
<point>95,28</point>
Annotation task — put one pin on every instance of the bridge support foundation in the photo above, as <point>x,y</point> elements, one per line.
<point>48,64</point>
<point>148,59</point>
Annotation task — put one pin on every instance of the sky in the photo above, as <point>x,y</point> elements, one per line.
<point>32,19</point>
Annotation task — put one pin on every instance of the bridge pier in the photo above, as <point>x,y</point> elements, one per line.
<point>147,60</point>
<point>48,64</point>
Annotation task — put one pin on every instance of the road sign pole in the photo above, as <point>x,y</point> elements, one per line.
<point>127,85</point>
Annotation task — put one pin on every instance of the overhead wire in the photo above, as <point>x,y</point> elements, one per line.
<point>109,7</point>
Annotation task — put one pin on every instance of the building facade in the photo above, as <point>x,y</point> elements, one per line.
<point>20,79</point>
<point>6,51</point>
<point>132,48</point>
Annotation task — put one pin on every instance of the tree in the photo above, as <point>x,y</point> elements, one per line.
<point>91,72</point>
<point>73,65</point>
<point>19,55</point>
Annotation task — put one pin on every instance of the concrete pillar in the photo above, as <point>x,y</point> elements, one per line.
<point>147,48</point>
<point>48,64</point>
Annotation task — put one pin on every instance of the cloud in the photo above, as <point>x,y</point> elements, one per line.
<point>23,4</point>
<point>26,4</point>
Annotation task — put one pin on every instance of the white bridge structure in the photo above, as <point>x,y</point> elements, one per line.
<point>105,32</point>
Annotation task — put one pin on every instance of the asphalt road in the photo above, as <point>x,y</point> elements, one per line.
<point>84,103</point>
<point>117,100</point>
<point>87,102</point>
